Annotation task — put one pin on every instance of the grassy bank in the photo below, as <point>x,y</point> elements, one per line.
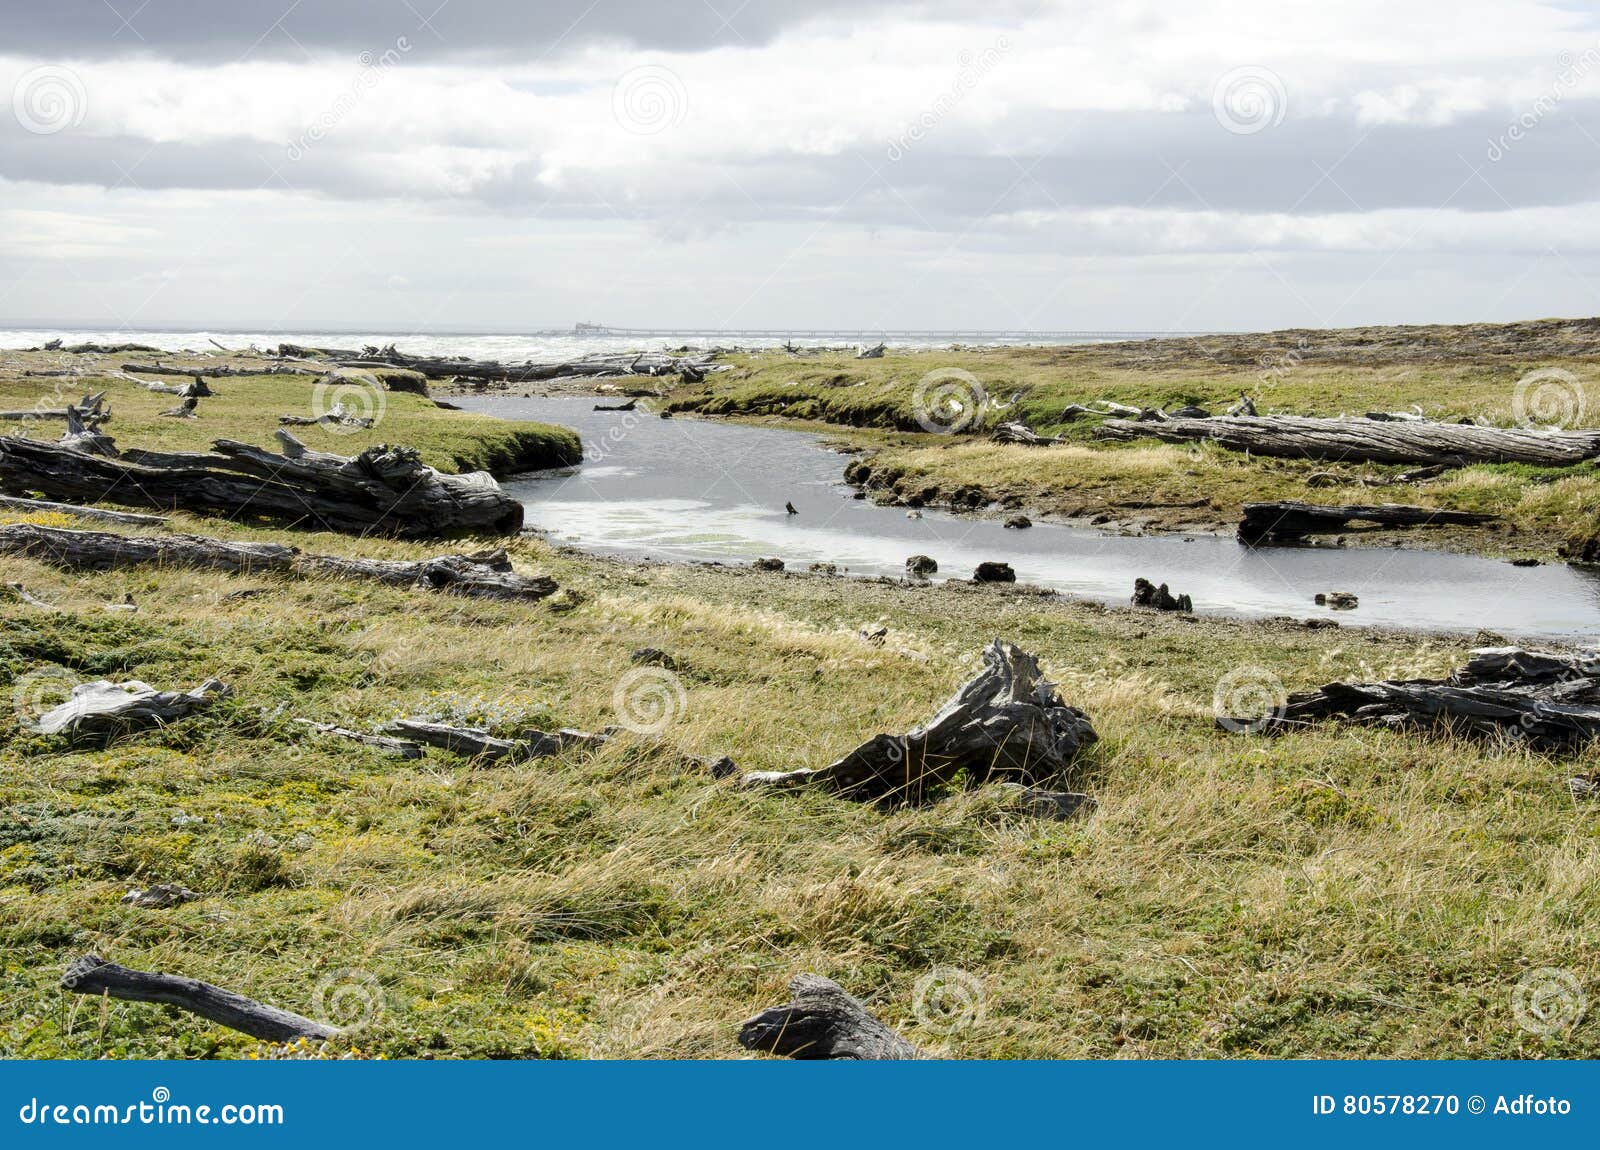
<point>1334,892</point>
<point>247,409</point>
<point>1447,373</point>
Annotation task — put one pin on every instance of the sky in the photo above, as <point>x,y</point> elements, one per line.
<point>495,165</point>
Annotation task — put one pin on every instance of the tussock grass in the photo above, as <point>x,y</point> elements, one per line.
<point>1340,892</point>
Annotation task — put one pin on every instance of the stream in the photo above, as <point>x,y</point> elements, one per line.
<point>693,490</point>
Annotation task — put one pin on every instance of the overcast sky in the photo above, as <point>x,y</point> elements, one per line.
<point>503,165</point>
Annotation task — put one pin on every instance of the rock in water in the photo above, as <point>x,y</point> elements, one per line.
<point>1147,594</point>
<point>1338,600</point>
<point>1019,521</point>
<point>993,572</point>
<point>768,564</point>
<point>921,566</point>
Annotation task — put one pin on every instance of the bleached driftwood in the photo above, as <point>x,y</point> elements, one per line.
<point>383,489</point>
<point>93,975</point>
<point>486,575</point>
<point>404,748</point>
<point>1007,722</point>
<point>94,514</point>
<point>822,1021</point>
<point>1549,700</point>
<point>1021,433</point>
<point>1368,440</point>
<point>476,743</point>
<point>107,708</point>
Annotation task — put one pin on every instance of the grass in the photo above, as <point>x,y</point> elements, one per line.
<point>1336,892</point>
<point>1164,487</point>
<point>247,409</point>
<point>1340,892</point>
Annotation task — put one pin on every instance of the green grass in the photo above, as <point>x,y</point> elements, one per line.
<point>1154,485</point>
<point>247,409</point>
<point>1338,892</point>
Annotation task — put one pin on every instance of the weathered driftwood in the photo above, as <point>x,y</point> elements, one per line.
<point>405,748</point>
<point>93,975</point>
<point>486,575</point>
<point>1058,805</point>
<point>196,387</point>
<point>874,352</point>
<point>107,708</point>
<point>490,371</point>
<point>337,416</point>
<point>384,489</point>
<point>220,371</point>
<point>1021,433</point>
<point>94,514</point>
<point>1368,440</point>
<point>20,593</point>
<point>1006,722</point>
<point>159,897</point>
<point>1549,700</point>
<point>821,1022</point>
<point>1289,520</point>
<point>475,743</point>
<point>186,409</point>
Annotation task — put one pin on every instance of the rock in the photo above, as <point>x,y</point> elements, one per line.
<point>652,657</point>
<point>768,564</point>
<point>1189,412</point>
<point>921,566</point>
<point>1338,600</point>
<point>912,514</point>
<point>874,635</point>
<point>720,766</point>
<point>1018,521</point>
<point>824,568</point>
<point>160,896</point>
<point>990,571</point>
<point>1147,594</point>
<point>567,599</point>
<point>1526,562</point>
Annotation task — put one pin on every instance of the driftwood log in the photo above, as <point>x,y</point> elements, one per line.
<point>1005,723</point>
<point>823,1022</point>
<point>93,514</point>
<point>1549,700</point>
<point>105,708</point>
<point>1021,433</point>
<point>401,747</point>
<point>385,489</point>
<point>1290,520</point>
<point>220,371</point>
<point>490,371</point>
<point>475,743</point>
<point>486,575</point>
<point>1368,440</point>
<point>93,975</point>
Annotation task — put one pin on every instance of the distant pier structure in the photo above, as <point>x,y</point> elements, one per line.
<point>918,335</point>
